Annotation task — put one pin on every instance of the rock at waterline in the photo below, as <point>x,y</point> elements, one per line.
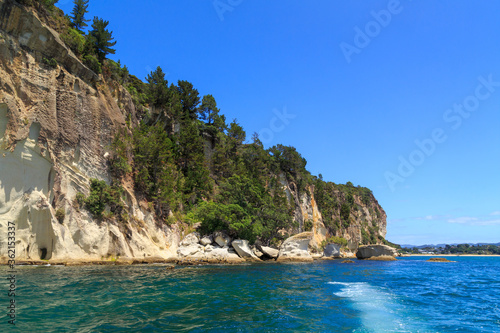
<point>439,260</point>
<point>376,252</point>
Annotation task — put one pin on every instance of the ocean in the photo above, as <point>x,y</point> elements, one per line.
<point>407,295</point>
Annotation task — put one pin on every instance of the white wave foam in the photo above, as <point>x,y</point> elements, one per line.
<point>380,310</point>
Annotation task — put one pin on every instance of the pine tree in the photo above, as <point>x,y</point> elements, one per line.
<point>103,38</point>
<point>158,90</point>
<point>78,14</point>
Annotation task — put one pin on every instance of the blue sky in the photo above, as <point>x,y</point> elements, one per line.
<point>353,85</point>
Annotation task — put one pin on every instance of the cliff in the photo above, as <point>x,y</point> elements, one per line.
<point>58,120</point>
<point>55,127</point>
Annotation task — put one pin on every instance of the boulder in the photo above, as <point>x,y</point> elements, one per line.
<point>374,251</point>
<point>191,239</point>
<point>257,252</point>
<point>195,250</point>
<point>270,252</point>
<point>243,249</point>
<point>295,248</point>
<point>206,240</point>
<point>332,250</point>
<point>222,239</point>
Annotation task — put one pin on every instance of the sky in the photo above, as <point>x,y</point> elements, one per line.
<point>402,97</point>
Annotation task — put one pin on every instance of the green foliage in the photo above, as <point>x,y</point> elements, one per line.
<point>158,91</point>
<point>51,62</point>
<point>365,238</point>
<point>345,211</point>
<point>102,39</point>
<point>74,40</point>
<point>308,225</point>
<point>337,240</point>
<point>156,174</point>
<point>214,122</point>
<point>60,214</point>
<point>138,91</point>
<point>189,99</point>
<point>78,14</point>
<point>116,72</point>
<point>121,154</point>
<point>102,195</point>
<point>93,63</point>
<point>80,199</point>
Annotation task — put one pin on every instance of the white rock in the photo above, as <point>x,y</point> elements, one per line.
<point>243,249</point>
<point>296,248</point>
<point>190,251</point>
<point>191,239</point>
<point>273,253</point>
<point>332,250</point>
<point>222,239</point>
<point>369,251</point>
<point>206,240</point>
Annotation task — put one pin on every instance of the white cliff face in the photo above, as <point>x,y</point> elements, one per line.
<point>55,127</point>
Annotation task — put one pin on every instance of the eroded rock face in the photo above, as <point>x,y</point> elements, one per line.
<point>270,252</point>
<point>191,239</point>
<point>56,125</point>
<point>373,251</point>
<point>222,239</point>
<point>243,249</point>
<point>296,248</point>
<point>332,250</point>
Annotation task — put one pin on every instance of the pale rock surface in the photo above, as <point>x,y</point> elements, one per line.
<point>332,250</point>
<point>221,239</point>
<point>206,240</point>
<point>269,251</point>
<point>370,251</point>
<point>296,248</point>
<point>191,239</point>
<point>243,249</point>
<point>55,127</point>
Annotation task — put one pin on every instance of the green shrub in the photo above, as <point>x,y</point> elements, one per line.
<point>74,40</point>
<point>345,211</point>
<point>50,62</point>
<point>337,240</point>
<point>80,199</point>
<point>308,225</point>
<point>92,63</point>
<point>60,215</point>
<point>102,195</point>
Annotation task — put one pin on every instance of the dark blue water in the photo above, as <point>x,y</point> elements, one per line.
<point>409,295</point>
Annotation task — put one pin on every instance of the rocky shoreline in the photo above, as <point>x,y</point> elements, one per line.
<point>219,248</point>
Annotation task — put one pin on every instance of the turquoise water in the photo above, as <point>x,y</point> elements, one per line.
<point>409,295</point>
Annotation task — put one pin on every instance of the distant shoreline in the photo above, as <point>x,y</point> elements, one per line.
<point>450,255</point>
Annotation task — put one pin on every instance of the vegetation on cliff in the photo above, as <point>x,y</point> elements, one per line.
<point>191,165</point>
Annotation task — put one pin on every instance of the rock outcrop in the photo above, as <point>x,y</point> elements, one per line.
<point>243,249</point>
<point>332,250</point>
<point>296,248</point>
<point>191,249</point>
<point>377,252</point>
<point>55,126</point>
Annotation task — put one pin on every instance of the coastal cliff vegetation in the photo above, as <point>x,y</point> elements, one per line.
<point>191,164</point>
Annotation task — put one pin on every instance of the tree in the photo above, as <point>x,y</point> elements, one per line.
<point>189,98</point>
<point>214,122</point>
<point>158,90</point>
<point>78,14</point>
<point>103,39</point>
